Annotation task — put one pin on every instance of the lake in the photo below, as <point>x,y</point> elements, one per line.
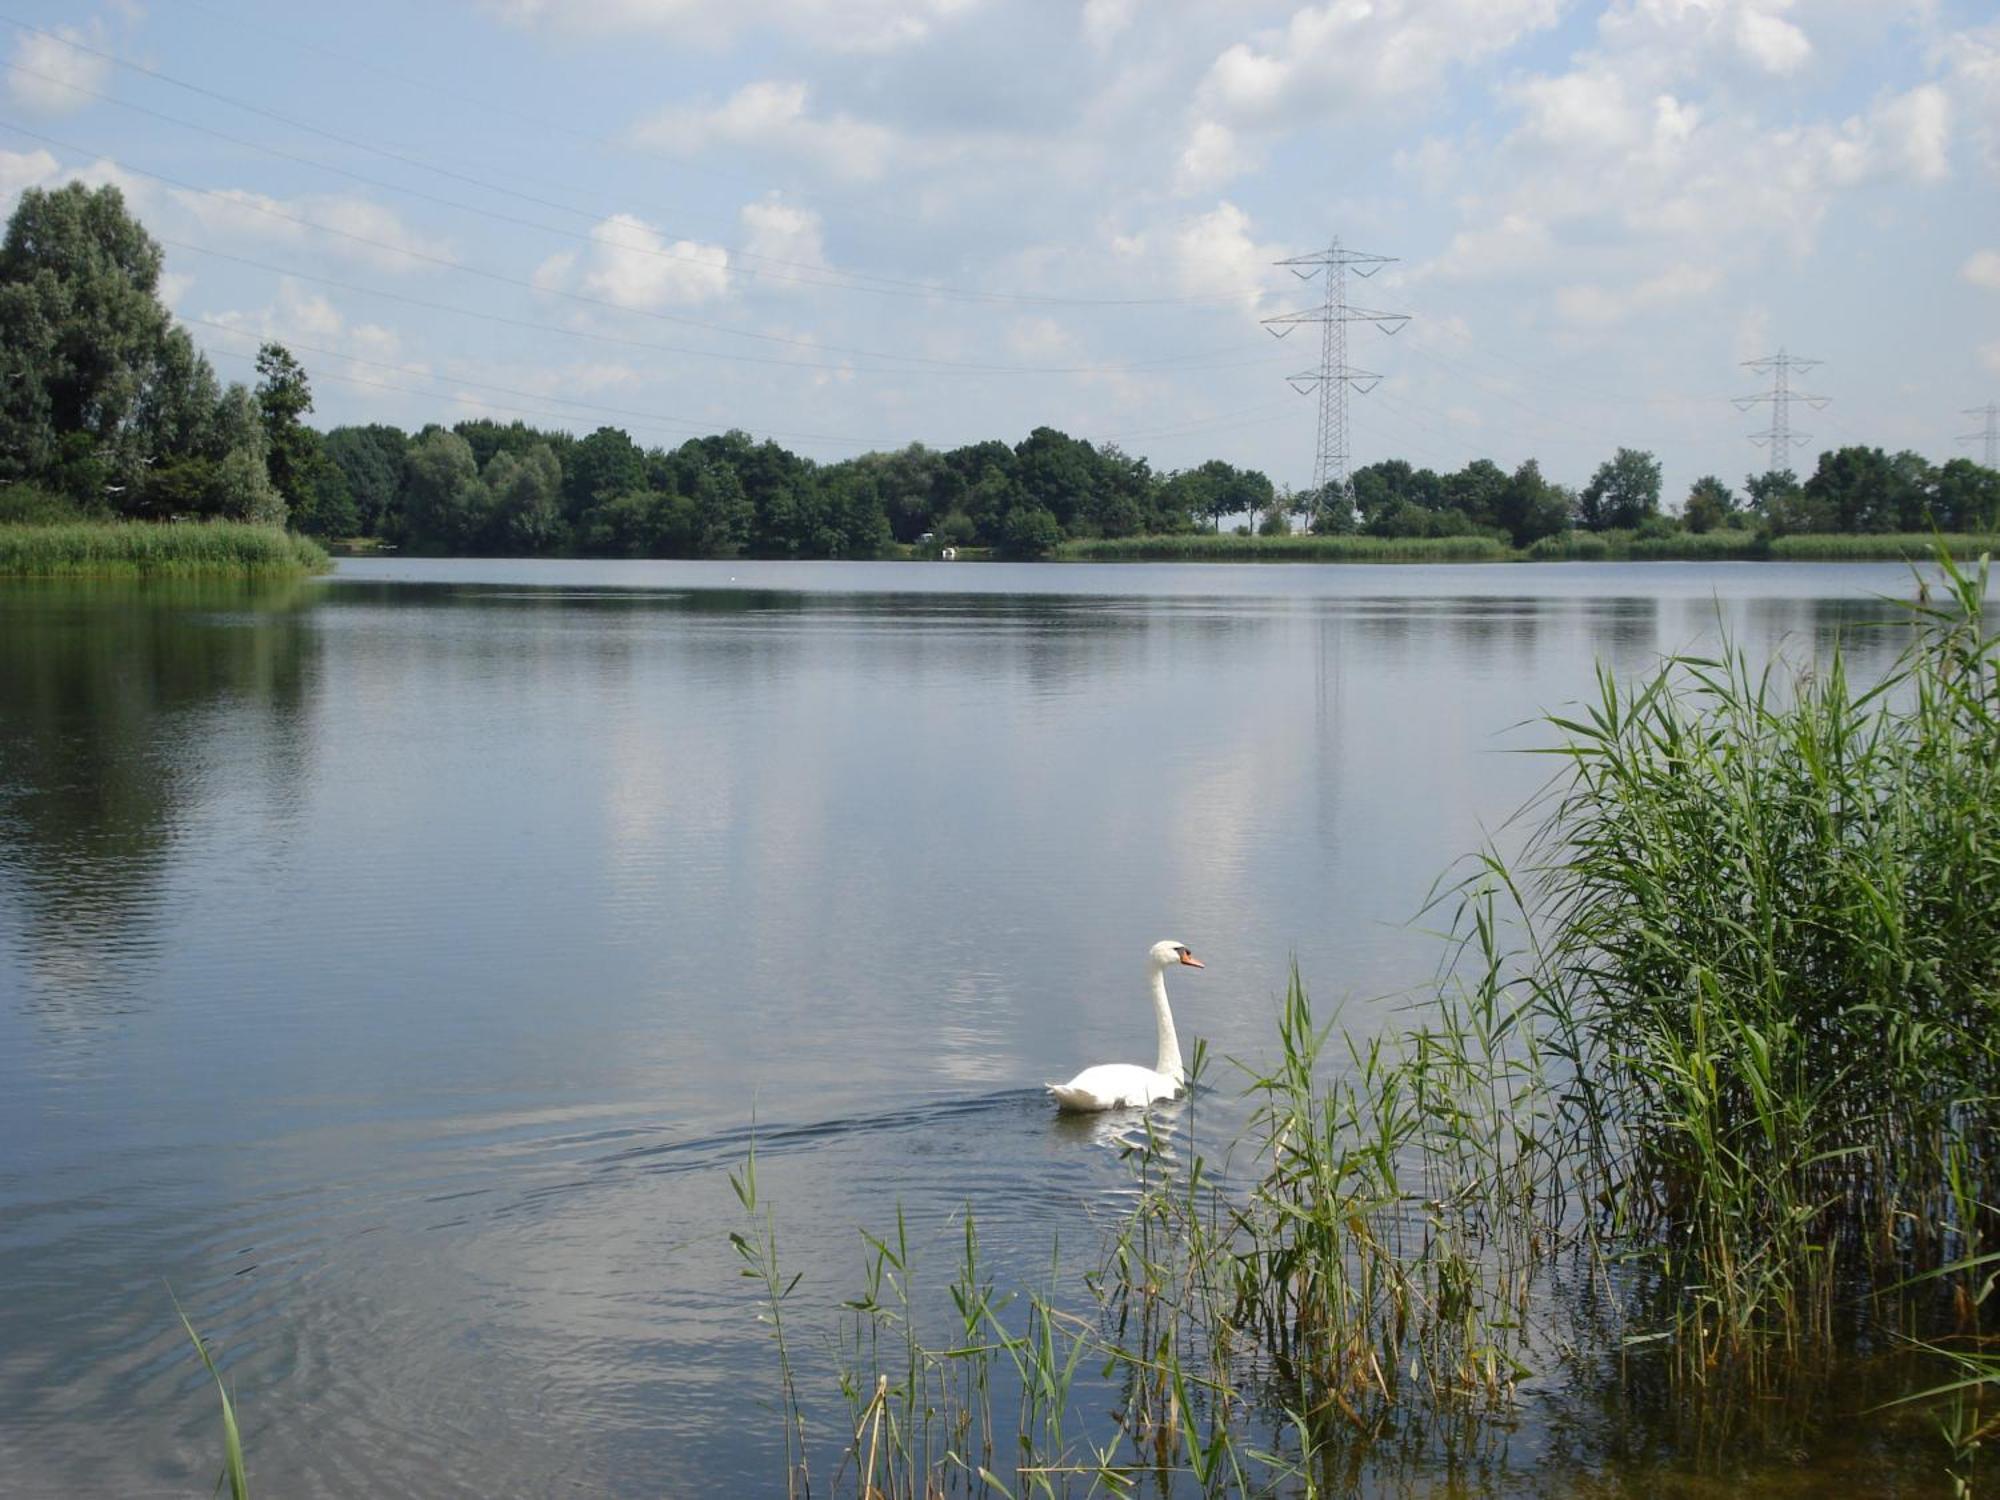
<point>394,966</point>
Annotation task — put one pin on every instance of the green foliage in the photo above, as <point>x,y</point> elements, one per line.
<point>444,503</point>
<point>1623,492</point>
<point>371,460</point>
<point>118,548</point>
<point>28,505</point>
<point>1030,531</point>
<point>1709,505</point>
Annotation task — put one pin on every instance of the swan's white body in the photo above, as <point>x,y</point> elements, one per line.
<point>1127,1085</point>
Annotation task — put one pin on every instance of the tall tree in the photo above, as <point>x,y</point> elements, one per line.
<point>1709,505</point>
<point>292,450</point>
<point>1624,491</point>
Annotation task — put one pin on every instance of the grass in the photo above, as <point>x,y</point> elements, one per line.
<point>143,549</point>
<point>1909,546</point>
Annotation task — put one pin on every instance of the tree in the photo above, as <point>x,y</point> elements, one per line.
<point>444,503</point>
<point>1530,507</point>
<point>371,459</point>
<point>82,328</point>
<point>1622,493</point>
<point>1709,505</point>
<point>526,491</point>
<point>1863,489</point>
<point>605,464</point>
<point>1030,531</point>
<point>1967,497</point>
<point>292,449</point>
<point>1778,499</point>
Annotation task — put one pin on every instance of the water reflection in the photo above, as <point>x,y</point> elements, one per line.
<point>440,939</point>
<point>119,702</point>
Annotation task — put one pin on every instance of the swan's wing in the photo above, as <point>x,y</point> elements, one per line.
<point>1111,1086</point>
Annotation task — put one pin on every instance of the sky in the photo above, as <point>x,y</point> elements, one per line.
<point>854,224</point>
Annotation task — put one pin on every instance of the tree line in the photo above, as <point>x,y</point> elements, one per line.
<point>106,406</point>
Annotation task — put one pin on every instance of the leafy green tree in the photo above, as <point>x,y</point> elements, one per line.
<point>1779,501</point>
<point>444,503</point>
<point>371,460</point>
<point>1622,493</point>
<point>526,490</point>
<point>605,464</point>
<point>82,329</point>
<point>1057,473</point>
<point>1710,503</point>
<point>1864,490</point>
<point>1031,531</point>
<point>1531,507</point>
<point>292,449</point>
<point>723,512</point>
<point>1967,497</point>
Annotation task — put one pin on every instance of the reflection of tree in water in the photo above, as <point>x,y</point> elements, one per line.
<point>106,693</point>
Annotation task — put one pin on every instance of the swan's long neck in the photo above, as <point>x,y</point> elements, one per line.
<point>1169,1061</point>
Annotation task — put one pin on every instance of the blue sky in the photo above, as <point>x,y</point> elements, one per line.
<point>852,225</point>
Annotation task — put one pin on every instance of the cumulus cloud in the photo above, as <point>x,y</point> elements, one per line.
<point>1983,269</point>
<point>1209,255</point>
<point>343,225</point>
<point>784,233</point>
<point>845,25</point>
<point>632,264</point>
<point>772,117</point>
<point>20,170</point>
<point>1337,58</point>
<point>1345,55</point>
<point>299,316</point>
<point>1104,21</point>
<point>46,70</point>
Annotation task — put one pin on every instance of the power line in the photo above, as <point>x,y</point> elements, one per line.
<point>856,280</point>
<point>1334,376</point>
<point>657,418</point>
<point>1780,439</point>
<point>1990,433</point>
<point>1181,361</point>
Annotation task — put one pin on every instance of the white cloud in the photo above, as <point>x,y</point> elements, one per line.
<point>1772,42</point>
<point>1349,54</point>
<point>632,264</point>
<point>1215,254</point>
<point>1212,157</point>
<point>21,170</point>
<point>345,226</point>
<point>46,71</point>
<point>301,317</point>
<point>1982,268</point>
<point>775,230</point>
<point>844,25</point>
<point>1591,304</point>
<point>772,117</point>
<point>1104,21</point>
<point>1989,355</point>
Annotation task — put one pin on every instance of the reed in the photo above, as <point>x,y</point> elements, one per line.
<point>1884,546</point>
<point>234,1473</point>
<point>1207,546</point>
<point>144,549</point>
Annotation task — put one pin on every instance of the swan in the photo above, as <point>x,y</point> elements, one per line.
<point>1126,1085</point>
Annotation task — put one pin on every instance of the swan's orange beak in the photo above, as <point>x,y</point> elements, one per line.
<point>1191,961</point>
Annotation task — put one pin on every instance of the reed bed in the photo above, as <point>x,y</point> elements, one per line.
<point>144,549</point>
<point>1207,546</point>
<point>1884,546</point>
<point>1721,1044</point>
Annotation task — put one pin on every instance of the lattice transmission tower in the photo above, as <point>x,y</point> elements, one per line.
<point>1990,434</point>
<point>1781,396</point>
<point>1334,377</point>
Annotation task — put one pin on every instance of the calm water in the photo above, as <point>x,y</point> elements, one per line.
<point>393,965</point>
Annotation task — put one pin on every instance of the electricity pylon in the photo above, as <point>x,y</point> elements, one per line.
<point>1334,376</point>
<point>1991,432</point>
<point>1781,396</point>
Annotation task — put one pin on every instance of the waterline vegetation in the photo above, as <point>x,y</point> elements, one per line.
<point>135,549</point>
<point>1702,1109</point>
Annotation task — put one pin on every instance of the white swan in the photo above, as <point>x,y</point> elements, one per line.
<point>1126,1085</point>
